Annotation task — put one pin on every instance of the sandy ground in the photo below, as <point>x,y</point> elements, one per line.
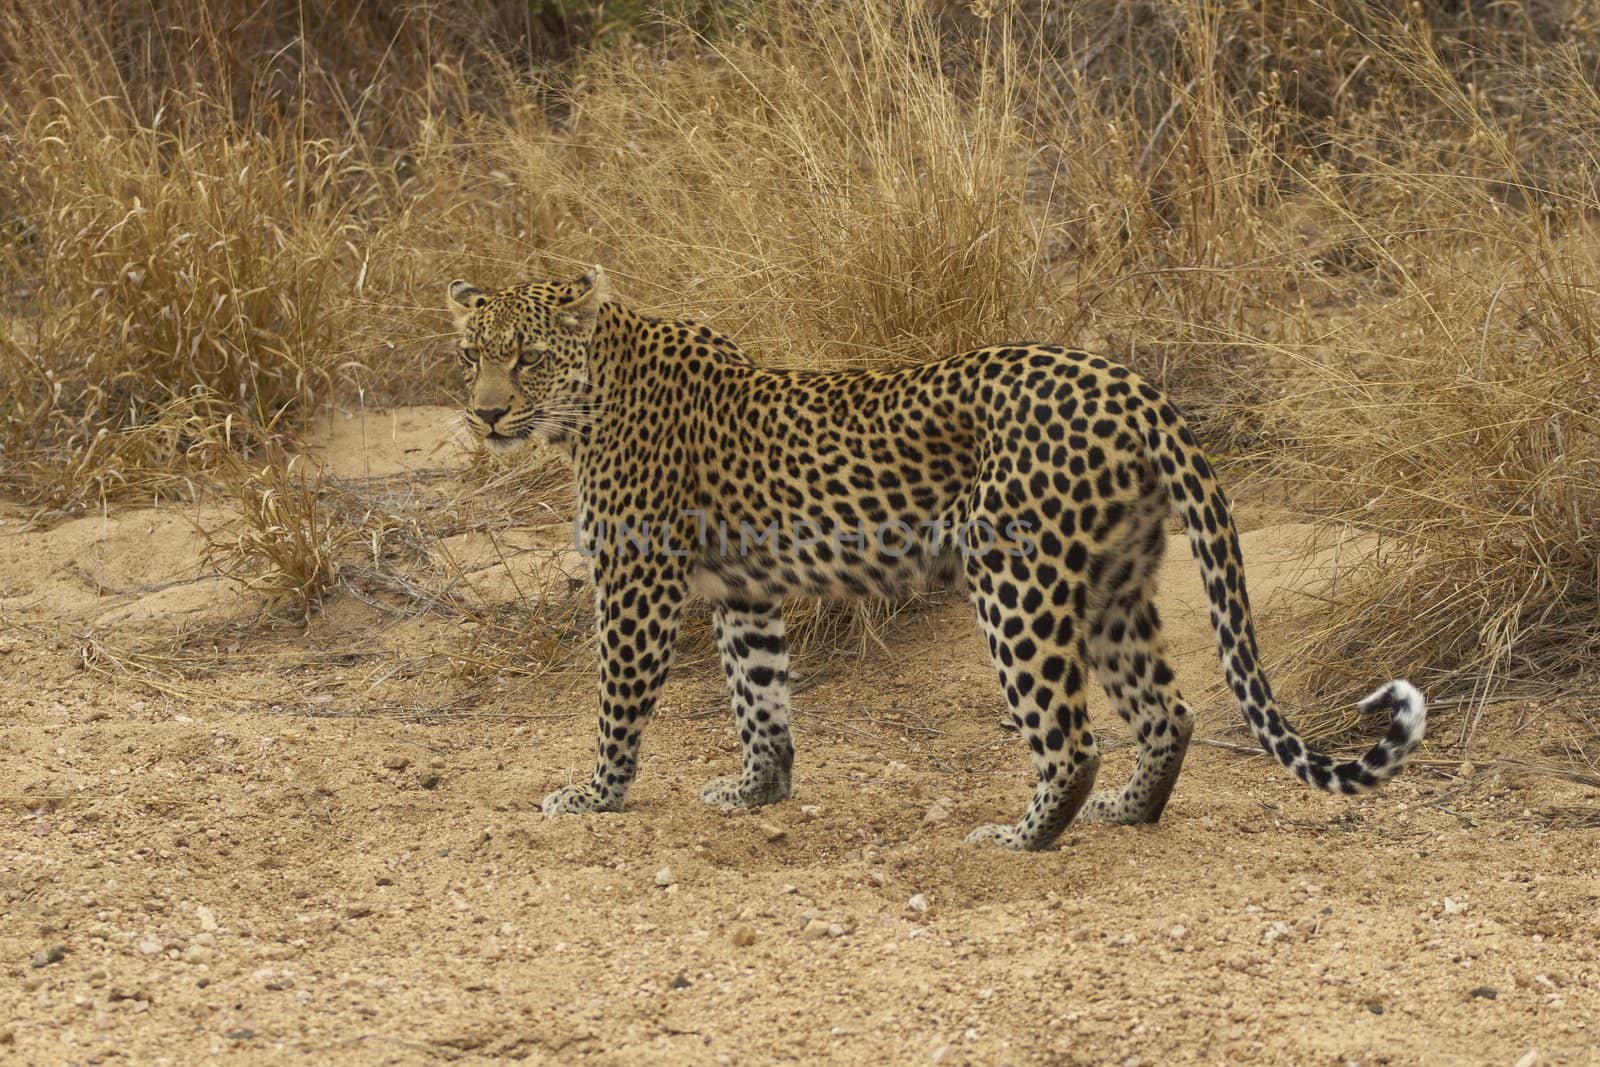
<point>323,845</point>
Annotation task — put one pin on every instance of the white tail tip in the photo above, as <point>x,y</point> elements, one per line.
<point>1410,707</point>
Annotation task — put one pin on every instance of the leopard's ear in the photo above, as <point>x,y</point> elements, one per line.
<point>464,300</point>
<point>584,298</point>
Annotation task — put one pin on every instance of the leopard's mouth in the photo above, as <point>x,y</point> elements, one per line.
<point>499,442</point>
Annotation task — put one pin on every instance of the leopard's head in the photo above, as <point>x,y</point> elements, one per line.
<point>524,354</point>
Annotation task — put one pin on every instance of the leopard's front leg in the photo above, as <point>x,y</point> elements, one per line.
<point>755,659</point>
<point>638,603</point>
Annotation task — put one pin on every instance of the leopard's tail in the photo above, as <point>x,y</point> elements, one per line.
<point>1203,507</point>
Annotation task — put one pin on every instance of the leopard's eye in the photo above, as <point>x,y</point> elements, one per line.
<point>467,355</point>
<point>530,355</point>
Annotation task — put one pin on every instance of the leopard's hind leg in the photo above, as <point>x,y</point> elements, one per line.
<point>1130,659</point>
<point>1036,640</point>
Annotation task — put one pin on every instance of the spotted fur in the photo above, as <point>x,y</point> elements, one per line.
<point>1051,473</point>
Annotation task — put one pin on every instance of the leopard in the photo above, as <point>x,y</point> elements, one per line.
<point>1047,474</point>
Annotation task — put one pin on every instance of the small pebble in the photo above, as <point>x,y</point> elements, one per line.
<point>396,763</point>
<point>918,903</point>
<point>428,780</point>
<point>149,945</point>
<point>772,831</point>
<point>1485,992</point>
<point>743,935</point>
<point>46,956</point>
<point>937,813</point>
<point>815,929</point>
<point>664,877</point>
<point>207,917</point>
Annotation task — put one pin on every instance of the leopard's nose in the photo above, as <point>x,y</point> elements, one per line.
<point>490,416</point>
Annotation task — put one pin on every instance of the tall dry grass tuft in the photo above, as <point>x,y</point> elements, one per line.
<point>153,260</point>
<point>813,179</point>
<point>1454,409</point>
<point>285,544</point>
<point>1481,473</point>
<point>188,196</point>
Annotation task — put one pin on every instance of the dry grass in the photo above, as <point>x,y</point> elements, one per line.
<point>1455,409</point>
<point>1355,238</point>
<point>286,542</point>
<point>155,263</point>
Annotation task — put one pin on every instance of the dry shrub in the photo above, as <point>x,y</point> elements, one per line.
<point>326,69</point>
<point>812,180</point>
<point>187,196</point>
<point>529,487</point>
<point>167,452</point>
<point>1454,405</point>
<point>158,260</point>
<point>286,541</point>
<point>1483,474</point>
<point>1475,450</point>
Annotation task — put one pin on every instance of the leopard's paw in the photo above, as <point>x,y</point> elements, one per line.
<point>730,793</point>
<point>1006,837</point>
<point>577,800</point>
<point>1107,806</point>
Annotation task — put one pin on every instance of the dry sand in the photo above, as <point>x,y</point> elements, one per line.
<point>326,847</point>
